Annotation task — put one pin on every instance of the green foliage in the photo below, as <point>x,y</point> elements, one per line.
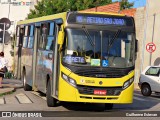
<point>126,5</point>
<point>48,7</point>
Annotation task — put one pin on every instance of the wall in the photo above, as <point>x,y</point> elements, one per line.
<point>16,13</point>
<point>139,18</point>
<point>152,26</point>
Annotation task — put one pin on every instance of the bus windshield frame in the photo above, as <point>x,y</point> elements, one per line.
<point>100,48</point>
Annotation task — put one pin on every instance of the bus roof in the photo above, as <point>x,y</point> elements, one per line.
<point>60,15</point>
<point>43,18</point>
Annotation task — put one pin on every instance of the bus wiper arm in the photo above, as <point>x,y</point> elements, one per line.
<point>114,38</point>
<point>89,36</point>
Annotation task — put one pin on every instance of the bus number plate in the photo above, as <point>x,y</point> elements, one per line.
<point>100,92</point>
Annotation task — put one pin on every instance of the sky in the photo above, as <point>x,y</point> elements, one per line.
<point>137,3</point>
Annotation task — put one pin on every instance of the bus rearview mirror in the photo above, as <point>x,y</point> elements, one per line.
<point>61,38</point>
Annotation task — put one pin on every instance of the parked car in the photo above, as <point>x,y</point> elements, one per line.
<point>150,80</point>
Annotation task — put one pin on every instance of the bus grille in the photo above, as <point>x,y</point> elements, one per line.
<point>89,90</point>
<point>99,72</point>
<point>102,74</point>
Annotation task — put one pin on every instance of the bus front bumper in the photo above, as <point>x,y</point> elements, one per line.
<point>71,94</point>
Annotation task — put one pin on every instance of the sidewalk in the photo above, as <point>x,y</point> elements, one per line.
<point>9,85</point>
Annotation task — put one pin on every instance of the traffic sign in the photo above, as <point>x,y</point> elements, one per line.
<point>105,63</point>
<point>7,23</point>
<point>151,47</point>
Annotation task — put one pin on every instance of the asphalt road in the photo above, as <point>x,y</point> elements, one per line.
<point>30,101</point>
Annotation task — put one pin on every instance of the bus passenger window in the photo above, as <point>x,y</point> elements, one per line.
<point>50,38</point>
<point>25,39</point>
<point>51,29</point>
<point>17,36</point>
<point>49,45</point>
<point>31,38</point>
<point>43,38</point>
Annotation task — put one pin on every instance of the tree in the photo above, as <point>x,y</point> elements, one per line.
<point>126,5</point>
<point>48,7</point>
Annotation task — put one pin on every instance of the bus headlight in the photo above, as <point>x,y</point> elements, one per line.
<point>128,83</point>
<point>69,80</point>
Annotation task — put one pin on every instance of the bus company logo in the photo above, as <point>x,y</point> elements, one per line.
<point>82,81</point>
<point>100,82</point>
<point>17,2</point>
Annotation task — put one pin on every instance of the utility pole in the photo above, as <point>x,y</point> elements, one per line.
<point>150,61</point>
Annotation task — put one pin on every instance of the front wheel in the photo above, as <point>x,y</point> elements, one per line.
<point>146,90</point>
<point>51,101</point>
<point>108,106</point>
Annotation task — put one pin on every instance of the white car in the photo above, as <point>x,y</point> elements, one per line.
<point>150,80</point>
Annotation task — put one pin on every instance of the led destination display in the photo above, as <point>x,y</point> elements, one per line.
<point>100,20</point>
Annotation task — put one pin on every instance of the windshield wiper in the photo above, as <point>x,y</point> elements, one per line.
<point>113,40</point>
<point>89,36</point>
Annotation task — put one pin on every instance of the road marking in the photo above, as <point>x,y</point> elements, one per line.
<point>22,98</point>
<point>38,94</point>
<point>11,100</point>
<point>1,101</point>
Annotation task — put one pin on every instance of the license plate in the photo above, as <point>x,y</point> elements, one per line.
<point>100,92</point>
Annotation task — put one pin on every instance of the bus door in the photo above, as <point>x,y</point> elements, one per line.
<point>45,55</point>
<point>39,63</point>
<point>37,32</point>
<point>19,41</point>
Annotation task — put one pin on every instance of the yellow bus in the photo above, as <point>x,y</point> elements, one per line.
<point>78,57</point>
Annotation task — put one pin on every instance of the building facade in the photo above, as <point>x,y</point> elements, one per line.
<point>14,10</point>
<point>151,34</point>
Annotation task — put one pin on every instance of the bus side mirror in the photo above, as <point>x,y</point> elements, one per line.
<point>61,38</point>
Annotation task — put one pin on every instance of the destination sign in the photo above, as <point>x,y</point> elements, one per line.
<point>74,59</point>
<point>100,20</point>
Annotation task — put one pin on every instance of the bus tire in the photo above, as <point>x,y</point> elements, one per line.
<point>146,90</point>
<point>108,106</point>
<point>51,101</point>
<point>25,85</point>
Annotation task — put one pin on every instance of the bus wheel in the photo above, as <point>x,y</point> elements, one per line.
<point>51,101</point>
<point>146,90</point>
<point>25,85</point>
<point>108,106</point>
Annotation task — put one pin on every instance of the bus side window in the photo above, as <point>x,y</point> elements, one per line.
<point>17,36</point>
<point>26,34</point>
<point>44,33</point>
<point>50,37</point>
<point>31,37</point>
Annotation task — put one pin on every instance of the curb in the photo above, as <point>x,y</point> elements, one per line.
<point>5,91</point>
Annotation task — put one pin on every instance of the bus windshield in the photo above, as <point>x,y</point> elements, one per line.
<point>87,47</point>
